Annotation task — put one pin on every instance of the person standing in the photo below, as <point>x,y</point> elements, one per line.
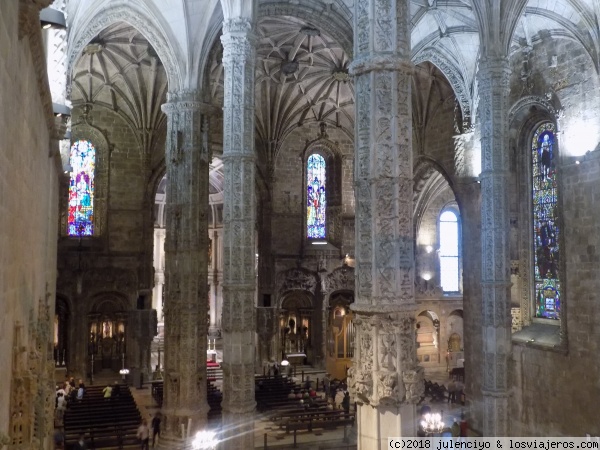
<point>143,434</point>
<point>346,404</point>
<point>155,428</point>
<point>116,390</point>
<point>464,426</point>
<point>107,391</point>
<point>326,385</point>
<point>80,444</point>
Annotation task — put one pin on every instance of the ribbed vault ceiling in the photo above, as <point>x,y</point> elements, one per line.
<point>119,70</point>
<point>301,76</point>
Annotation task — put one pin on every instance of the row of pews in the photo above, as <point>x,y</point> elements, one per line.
<point>291,415</point>
<point>104,422</point>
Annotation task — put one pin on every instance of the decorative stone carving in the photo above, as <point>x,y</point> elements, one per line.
<point>297,279</point>
<point>413,385</point>
<point>455,78</point>
<point>493,79</point>
<point>186,262</point>
<point>239,217</point>
<point>341,279</point>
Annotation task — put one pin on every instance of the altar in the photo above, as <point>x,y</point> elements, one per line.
<point>295,359</point>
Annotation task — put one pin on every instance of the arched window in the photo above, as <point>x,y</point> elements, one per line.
<point>81,189</point>
<point>449,264</point>
<point>544,153</point>
<point>315,197</point>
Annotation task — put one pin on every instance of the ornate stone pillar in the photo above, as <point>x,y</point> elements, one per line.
<point>239,217</point>
<point>494,89</point>
<point>186,265</point>
<point>385,378</point>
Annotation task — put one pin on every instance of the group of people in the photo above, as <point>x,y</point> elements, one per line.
<point>143,432</point>
<point>68,393</point>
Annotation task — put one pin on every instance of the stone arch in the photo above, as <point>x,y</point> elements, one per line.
<point>427,335</point>
<point>532,105</point>
<point>107,329</point>
<point>429,179</point>
<point>454,76</point>
<point>297,279</point>
<point>296,321</point>
<point>108,301</point>
<point>142,21</point>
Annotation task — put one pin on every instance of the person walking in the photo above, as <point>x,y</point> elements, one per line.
<point>143,434</point>
<point>155,428</point>
<point>107,391</point>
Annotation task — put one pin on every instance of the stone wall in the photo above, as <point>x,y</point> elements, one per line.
<point>28,199</point>
<point>288,195</point>
<point>554,392</point>
<point>115,263</point>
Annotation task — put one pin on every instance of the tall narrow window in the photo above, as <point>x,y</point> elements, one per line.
<point>545,223</point>
<point>315,197</point>
<point>449,273</point>
<point>81,189</point>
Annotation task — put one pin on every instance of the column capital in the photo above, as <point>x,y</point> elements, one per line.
<point>237,26</point>
<point>376,62</point>
<point>187,100</point>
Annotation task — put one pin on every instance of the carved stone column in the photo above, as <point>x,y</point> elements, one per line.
<point>239,216</point>
<point>186,264</point>
<point>385,377</point>
<point>494,88</point>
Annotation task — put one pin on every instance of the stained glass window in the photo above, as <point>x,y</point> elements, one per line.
<point>545,223</point>
<point>449,273</point>
<point>81,189</point>
<point>315,197</point>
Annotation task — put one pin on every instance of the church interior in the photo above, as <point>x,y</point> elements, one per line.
<point>379,190</point>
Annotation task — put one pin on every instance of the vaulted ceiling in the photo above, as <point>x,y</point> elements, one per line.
<point>120,71</point>
<point>302,72</point>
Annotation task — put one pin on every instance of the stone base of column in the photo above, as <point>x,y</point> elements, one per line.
<point>377,424</point>
<point>238,431</point>
<point>167,442</point>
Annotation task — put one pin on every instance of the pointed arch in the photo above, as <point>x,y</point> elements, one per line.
<point>142,20</point>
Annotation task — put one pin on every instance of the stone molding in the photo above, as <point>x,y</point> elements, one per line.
<point>533,100</point>
<point>380,63</point>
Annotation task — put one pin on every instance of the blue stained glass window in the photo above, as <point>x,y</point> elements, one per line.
<point>81,189</point>
<point>449,273</point>
<point>315,197</point>
<point>544,153</point>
